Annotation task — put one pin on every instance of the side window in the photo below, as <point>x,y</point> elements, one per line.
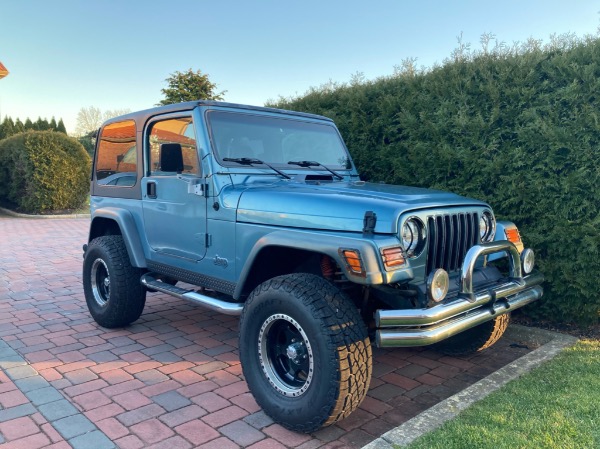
<point>116,161</point>
<point>174,131</point>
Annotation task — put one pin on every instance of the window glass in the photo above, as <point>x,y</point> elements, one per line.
<point>180,131</point>
<point>276,140</point>
<point>116,161</point>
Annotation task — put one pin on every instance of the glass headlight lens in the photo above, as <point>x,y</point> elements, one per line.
<point>527,261</point>
<point>487,227</point>
<point>413,236</point>
<point>438,284</point>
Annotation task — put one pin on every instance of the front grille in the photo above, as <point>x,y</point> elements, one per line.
<point>449,237</point>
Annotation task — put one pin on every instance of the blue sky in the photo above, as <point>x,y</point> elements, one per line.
<point>67,54</point>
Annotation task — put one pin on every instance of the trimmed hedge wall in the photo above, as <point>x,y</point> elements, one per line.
<point>43,171</point>
<point>519,129</point>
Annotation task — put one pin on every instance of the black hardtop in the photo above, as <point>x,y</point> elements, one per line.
<point>141,117</point>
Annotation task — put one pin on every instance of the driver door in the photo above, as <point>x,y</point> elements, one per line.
<point>174,216</point>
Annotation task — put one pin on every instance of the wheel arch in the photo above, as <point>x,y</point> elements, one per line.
<point>115,221</point>
<point>288,260</point>
<point>283,252</point>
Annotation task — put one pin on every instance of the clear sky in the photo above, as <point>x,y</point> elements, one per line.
<point>113,54</point>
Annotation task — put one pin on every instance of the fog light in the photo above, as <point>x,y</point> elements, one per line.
<point>527,260</point>
<point>437,285</point>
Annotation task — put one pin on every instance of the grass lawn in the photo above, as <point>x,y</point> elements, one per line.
<point>555,406</point>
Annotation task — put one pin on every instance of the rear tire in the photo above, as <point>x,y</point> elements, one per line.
<point>475,339</point>
<point>113,292</point>
<point>305,351</point>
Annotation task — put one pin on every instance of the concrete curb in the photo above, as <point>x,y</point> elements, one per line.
<point>18,215</point>
<point>550,344</point>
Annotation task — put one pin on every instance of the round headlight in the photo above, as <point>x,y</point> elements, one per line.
<point>438,283</point>
<point>413,236</point>
<point>527,260</point>
<point>487,227</point>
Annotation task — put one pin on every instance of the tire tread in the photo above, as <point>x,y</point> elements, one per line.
<point>346,335</point>
<point>128,296</point>
<point>476,339</point>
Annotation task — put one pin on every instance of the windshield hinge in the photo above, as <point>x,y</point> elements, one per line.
<point>197,186</point>
<point>201,189</point>
<point>369,222</point>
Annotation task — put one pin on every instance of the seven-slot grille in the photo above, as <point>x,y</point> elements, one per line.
<point>449,237</point>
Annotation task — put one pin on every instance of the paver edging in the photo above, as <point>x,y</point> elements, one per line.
<point>552,343</point>
<point>19,215</point>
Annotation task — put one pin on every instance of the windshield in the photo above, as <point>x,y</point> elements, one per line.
<point>276,140</point>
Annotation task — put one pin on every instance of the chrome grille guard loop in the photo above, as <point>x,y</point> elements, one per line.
<point>468,266</point>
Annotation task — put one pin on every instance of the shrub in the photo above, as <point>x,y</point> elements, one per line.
<point>43,171</point>
<point>519,129</point>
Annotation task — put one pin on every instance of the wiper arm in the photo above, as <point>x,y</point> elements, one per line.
<point>251,162</point>
<point>315,164</point>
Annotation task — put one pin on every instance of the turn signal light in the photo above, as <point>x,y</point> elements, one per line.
<point>353,261</point>
<point>512,235</point>
<point>393,257</point>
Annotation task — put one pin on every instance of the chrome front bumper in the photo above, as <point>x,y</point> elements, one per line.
<point>421,327</point>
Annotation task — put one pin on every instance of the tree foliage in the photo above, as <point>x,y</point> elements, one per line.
<point>88,119</point>
<point>516,126</point>
<point>189,86</point>
<point>91,118</point>
<point>60,127</point>
<point>10,127</point>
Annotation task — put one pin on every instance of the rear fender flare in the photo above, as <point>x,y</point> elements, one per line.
<point>126,223</point>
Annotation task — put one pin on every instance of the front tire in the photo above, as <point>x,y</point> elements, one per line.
<point>113,292</point>
<point>305,351</point>
<point>475,339</point>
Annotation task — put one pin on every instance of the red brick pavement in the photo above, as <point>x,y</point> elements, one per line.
<point>173,378</point>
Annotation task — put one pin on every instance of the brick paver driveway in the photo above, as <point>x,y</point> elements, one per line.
<point>173,379</point>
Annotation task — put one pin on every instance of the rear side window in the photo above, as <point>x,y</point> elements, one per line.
<point>116,162</point>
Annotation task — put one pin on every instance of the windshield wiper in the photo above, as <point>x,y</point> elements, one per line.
<point>315,164</point>
<point>251,162</point>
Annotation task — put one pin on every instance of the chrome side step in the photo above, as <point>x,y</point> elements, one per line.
<point>227,308</point>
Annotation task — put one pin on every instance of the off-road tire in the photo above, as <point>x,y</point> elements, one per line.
<point>113,292</point>
<point>334,339</point>
<point>475,339</point>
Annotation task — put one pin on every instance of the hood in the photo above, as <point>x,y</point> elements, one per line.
<point>339,206</point>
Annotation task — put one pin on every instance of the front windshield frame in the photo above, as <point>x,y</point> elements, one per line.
<point>278,155</point>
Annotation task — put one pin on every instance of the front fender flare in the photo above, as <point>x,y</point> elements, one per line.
<point>323,243</point>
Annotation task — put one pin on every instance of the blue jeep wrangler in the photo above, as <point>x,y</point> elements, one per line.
<point>261,213</point>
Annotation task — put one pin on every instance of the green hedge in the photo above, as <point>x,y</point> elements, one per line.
<point>517,128</point>
<point>43,171</point>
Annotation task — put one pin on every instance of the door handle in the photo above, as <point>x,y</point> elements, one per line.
<point>151,189</point>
